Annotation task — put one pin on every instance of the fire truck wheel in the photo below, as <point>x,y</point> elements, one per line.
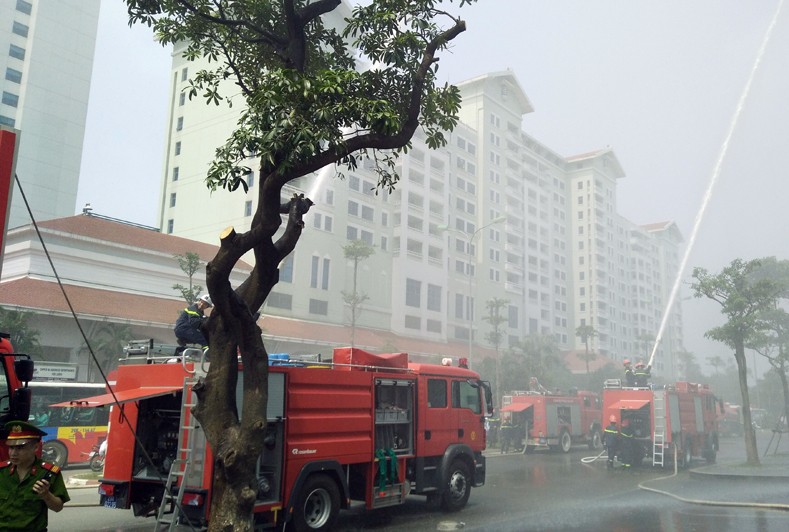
<point>55,453</point>
<point>318,505</point>
<point>457,488</point>
<point>596,441</point>
<point>565,441</point>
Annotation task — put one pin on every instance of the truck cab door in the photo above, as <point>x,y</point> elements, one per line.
<point>434,430</point>
<point>468,413</point>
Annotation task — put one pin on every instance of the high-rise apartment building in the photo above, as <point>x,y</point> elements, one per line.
<point>493,222</point>
<point>46,54</point>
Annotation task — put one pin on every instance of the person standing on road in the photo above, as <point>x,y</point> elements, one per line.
<point>626,444</point>
<point>506,434</point>
<point>29,487</point>
<point>611,441</point>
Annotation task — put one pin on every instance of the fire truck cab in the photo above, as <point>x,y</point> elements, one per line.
<point>359,427</point>
<point>15,396</point>
<point>679,418</point>
<point>554,420</point>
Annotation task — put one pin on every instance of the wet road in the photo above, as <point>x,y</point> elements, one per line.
<point>544,491</point>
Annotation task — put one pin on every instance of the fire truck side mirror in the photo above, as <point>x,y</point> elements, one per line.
<point>488,397</point>
<point>21,404</point>
<point>24,369</point>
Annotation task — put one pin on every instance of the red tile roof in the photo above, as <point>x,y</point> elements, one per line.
<point>118,232</point>
<point>32,294</point>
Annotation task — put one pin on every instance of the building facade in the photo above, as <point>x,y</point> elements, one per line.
<point>46,55</point>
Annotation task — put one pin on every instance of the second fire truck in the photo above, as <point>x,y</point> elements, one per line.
<point>555,420</point>
<point>363,427</point>
<point>679,418</point>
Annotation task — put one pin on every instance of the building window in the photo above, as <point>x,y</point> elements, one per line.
<point>412,322</point>
<point>178,148</point>
<point>433,297</point>
<point>329,197</point>
<point>250,179</point>
<point>384,243</point>
<point>175,173</point>
<point>459,306</point>
<point>318,306</point>
<point>20,29</point>
<point>353,208</point>
<point>13,75</point>
<point>5,121</point>
<point>172,199</point>
<point>433,326</point>
<point>248,208</point>
<point>184,74</point>
<point>180,124</point>
<point>182,99</point>
<point>368,213</point>
<point>24,7</point>
<point>512,317</point>
<point>10,99</point>
<point>17,52</point>
<point>286,270</point>
<point>277,300</point>
<point>170,224</point>
<point>413,293</point>
<point>366,237</point>
<point>325,274</point>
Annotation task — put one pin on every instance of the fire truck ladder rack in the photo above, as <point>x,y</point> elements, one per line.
<point>171,505</point>
<point>659,438</point>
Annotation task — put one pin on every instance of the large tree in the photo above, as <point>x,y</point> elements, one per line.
<point>745,296</point>
<point>309,104</point>
<point>586,333</point>
<point>495,336</point>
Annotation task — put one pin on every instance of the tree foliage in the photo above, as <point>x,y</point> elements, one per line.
<point>24,338</point>
<point>747,293</point>
<point>356,251</point>
<point>189,263</point>
<point>313,96</point>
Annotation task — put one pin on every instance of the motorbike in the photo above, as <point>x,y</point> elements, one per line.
<point>97,455</point>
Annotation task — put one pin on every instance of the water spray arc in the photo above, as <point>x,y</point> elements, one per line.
<point>712,182</point>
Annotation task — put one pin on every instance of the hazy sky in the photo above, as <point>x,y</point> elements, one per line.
<point>657,81</point>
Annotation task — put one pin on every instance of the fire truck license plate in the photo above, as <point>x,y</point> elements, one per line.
<point>109,502</point>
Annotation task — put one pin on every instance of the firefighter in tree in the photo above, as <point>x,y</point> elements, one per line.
<point>642,374</point>
<point>187,327</point>
<point>611,441</point>
<point>630,376</point>
<point>626,444</point>
<point>29,487</point>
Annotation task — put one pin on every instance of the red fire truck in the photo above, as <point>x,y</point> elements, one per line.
<point>17,371</point>
<point>555,420</point>
<point>681,417</point>
<point>364,427</point>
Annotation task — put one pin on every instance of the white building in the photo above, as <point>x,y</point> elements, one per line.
<point>46,54</point>
<point>493,215</point>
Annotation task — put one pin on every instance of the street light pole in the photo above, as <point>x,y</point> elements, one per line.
<point>498,220</point>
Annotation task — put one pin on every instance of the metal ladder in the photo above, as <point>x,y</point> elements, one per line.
<point>659,437</point>
<point>170,508</point>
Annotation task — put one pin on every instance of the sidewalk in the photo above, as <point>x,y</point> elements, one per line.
<point>773,467</point>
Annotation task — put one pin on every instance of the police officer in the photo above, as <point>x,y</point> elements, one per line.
<point>29,487</point>
<point>626,444</point>
<point>611,440</point>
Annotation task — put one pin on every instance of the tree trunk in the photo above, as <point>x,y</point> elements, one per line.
<point>785,386</point>
<point>751,451</point>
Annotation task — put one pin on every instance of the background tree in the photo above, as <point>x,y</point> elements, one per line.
<point>586,333</point>
<point>647,341</point>
<point>189,263</point>
<point>688,366</point>
<point>356,251</point>
<point>495,336</point>
<point>24,338</point>
<point>308,105</point>
<point>541,357</point>
<point>744,295</point>
<point>716,362</point>
<point>106,342</point>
